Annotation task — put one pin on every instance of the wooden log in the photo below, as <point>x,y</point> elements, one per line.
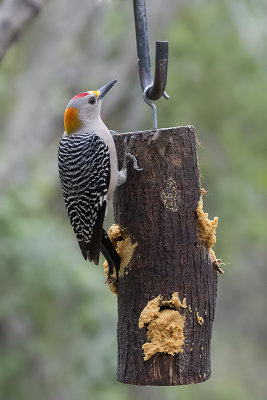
<point>157,207</point>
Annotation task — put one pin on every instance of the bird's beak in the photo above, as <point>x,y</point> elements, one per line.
<point>104,89</point>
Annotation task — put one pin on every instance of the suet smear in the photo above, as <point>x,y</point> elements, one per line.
<point>165,326</point>
<point>200,320</point>
<point>207,232</point>
<point>125,249</point>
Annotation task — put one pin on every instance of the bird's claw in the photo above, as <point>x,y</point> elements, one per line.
<point>127,157</point>
<point>112,282</point>
<point>127,153</point>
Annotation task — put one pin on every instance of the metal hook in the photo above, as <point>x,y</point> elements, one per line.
<point>152,90</point>
<point>152,105</point>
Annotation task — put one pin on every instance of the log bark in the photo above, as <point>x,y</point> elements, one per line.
<point>157,207</point>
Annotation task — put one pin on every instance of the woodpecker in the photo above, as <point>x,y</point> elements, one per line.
<point>88,171</point>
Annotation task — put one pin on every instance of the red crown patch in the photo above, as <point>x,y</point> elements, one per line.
<point>80,95</point>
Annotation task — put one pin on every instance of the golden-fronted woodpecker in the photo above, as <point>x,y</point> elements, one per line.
<point>88,171</point>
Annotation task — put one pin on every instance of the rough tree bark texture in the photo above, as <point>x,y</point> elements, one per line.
<point>158,209</point>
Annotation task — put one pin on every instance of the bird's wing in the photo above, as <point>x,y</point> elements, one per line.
<point>84,171</point>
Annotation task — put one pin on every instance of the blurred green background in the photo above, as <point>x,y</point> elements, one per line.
<point>57,318</point>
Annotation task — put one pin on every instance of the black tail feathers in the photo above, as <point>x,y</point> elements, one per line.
<point>109,252</point>
<point>90,252</point>
<point>83,248</point>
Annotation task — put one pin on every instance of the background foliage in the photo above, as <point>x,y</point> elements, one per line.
<point>57,318</point>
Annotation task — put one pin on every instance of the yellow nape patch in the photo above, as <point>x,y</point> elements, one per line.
<point>96,92</point>
<point>71,120</point>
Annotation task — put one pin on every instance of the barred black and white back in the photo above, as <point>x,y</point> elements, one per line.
<point>84,171</point>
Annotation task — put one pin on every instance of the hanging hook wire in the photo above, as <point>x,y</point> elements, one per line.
<point>152,105</point>
<point>152,90</point>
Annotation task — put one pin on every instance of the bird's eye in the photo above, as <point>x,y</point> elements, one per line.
<point>91,100</point>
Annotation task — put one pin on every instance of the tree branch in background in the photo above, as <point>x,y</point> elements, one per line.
<point>15,15</point>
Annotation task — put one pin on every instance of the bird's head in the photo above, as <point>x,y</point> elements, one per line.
<point>84,107</point>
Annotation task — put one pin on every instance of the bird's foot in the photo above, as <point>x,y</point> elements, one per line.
<point>112,282</point>
<point>217,266</point>
<point>127,157</point>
